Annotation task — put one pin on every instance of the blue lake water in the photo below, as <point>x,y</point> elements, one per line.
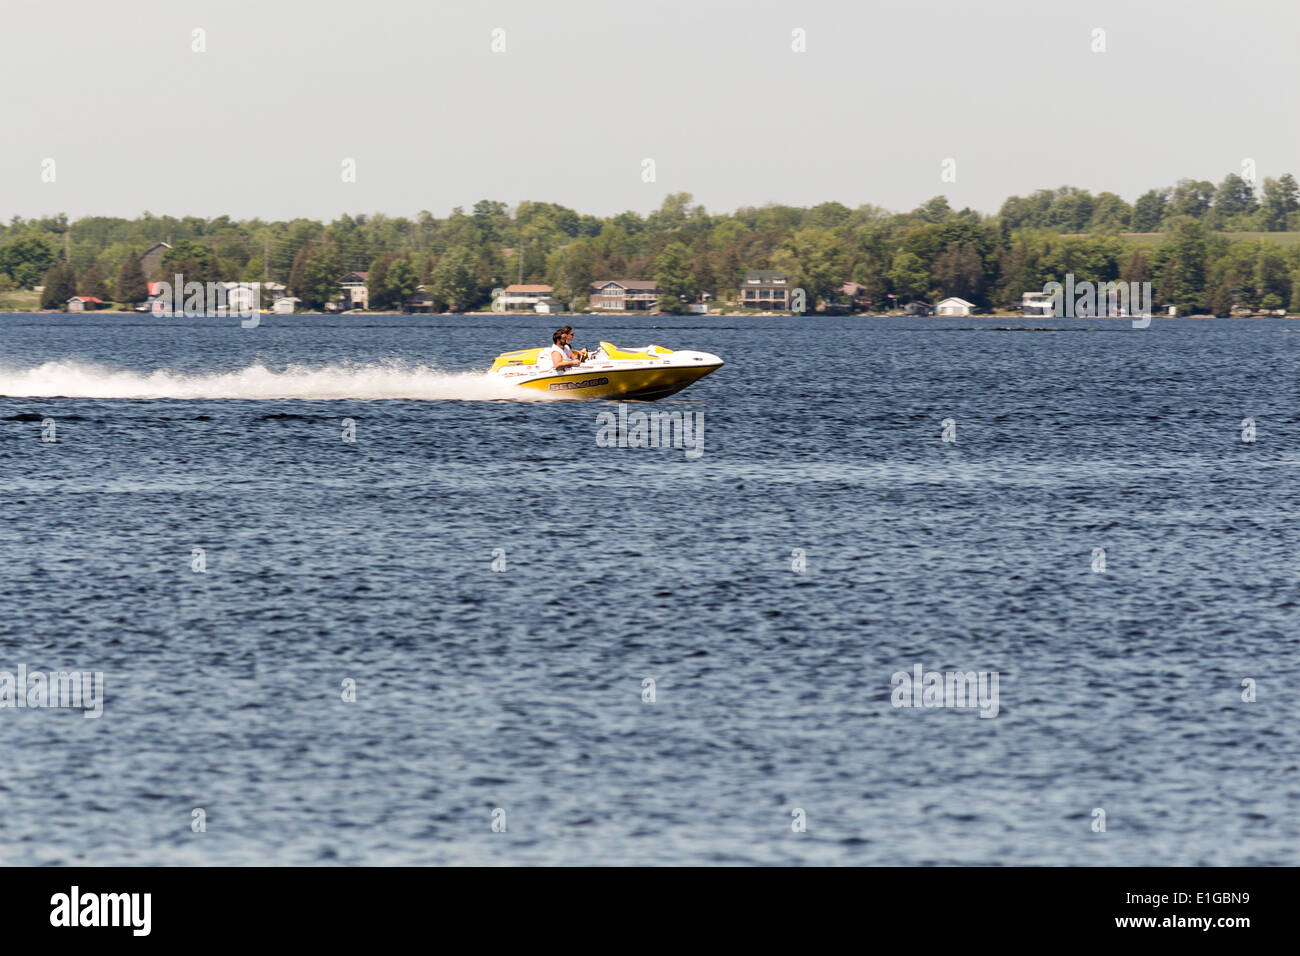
<point>521,689</point>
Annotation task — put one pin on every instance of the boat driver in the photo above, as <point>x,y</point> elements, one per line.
<point>561,355</point>
<point>568,345</point>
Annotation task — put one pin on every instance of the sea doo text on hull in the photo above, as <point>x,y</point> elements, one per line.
<point>610,372</point>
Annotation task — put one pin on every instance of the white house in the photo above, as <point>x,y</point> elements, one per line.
<point>549,306</point>
<point>284,305</point>
<point>523,296</point>
<point>1036,304</point>
<point>242,297</point>
<point>954,306</point>
<point>356,290</point>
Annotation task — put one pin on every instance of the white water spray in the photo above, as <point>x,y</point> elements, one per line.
<point>73,379</point>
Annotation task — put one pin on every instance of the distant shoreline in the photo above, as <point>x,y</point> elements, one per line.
<point>655,315</point>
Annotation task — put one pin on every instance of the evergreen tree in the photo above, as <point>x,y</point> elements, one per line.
<point>92,284</point>
<point>60,285</point>
<point>1182,280</point>
<point>132,287</point>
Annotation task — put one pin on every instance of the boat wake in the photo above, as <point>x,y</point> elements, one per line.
<point>74,379</point>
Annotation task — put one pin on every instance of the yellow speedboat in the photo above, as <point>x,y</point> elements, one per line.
<point>610,372</point>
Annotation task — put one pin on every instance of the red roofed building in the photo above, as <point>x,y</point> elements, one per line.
<point>85,303</point>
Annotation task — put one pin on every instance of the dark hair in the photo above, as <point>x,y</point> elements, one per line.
<point>567,329</point>
<point>556,336</point>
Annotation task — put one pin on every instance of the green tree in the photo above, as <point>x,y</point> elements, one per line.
<point>934,210</point>
<point>92,284</point>
<point>1272,279</point>
<point>60,285</point>
<point>1149,211</point>
<point>673,278</point>
<point>1191,198</point>
<point>381,297</point>
<point>320,279</point>
<point>455,283</point>
<point>1182,279</point>
<point>958,271</point>
<point>402,282</point>
<point>1110,213</point>
<point>1234,196</point>
<point>908,276</point>
<point>1220,301</point>
<point>821,263</point>
<point>26,259</point>
<point>1281,199</point>
<point>1136,268</point>
<point>573,270</point>
<point>192,260</point>
<point>132,287</point>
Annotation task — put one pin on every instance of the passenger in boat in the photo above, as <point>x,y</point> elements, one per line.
<point>561,355</point>
<point>568,345</point>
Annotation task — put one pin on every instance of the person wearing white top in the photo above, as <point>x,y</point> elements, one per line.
<point>568,345</point>
<point>560,354</point>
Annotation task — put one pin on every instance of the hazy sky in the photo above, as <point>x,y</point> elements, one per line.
<point>261,123</point>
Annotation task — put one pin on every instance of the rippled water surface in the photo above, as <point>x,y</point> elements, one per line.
<point>521,689</point>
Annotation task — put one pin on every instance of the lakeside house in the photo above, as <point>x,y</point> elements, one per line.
<point>285,305</point>
<point>954,306</point>
<point>85,303</point>
<point>523,297</point>
<point>151,261</point>
<point>856,293</point>
<point>421,300</point>
<point>356,290</point>
<point>1038,304</point>
<point>623,295</point>
<point>918,307</point>
<point>765,289</point>
<point>239,297</point>
<point>549,306</point>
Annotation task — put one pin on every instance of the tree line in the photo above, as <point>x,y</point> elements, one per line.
<point>1186,249</point>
